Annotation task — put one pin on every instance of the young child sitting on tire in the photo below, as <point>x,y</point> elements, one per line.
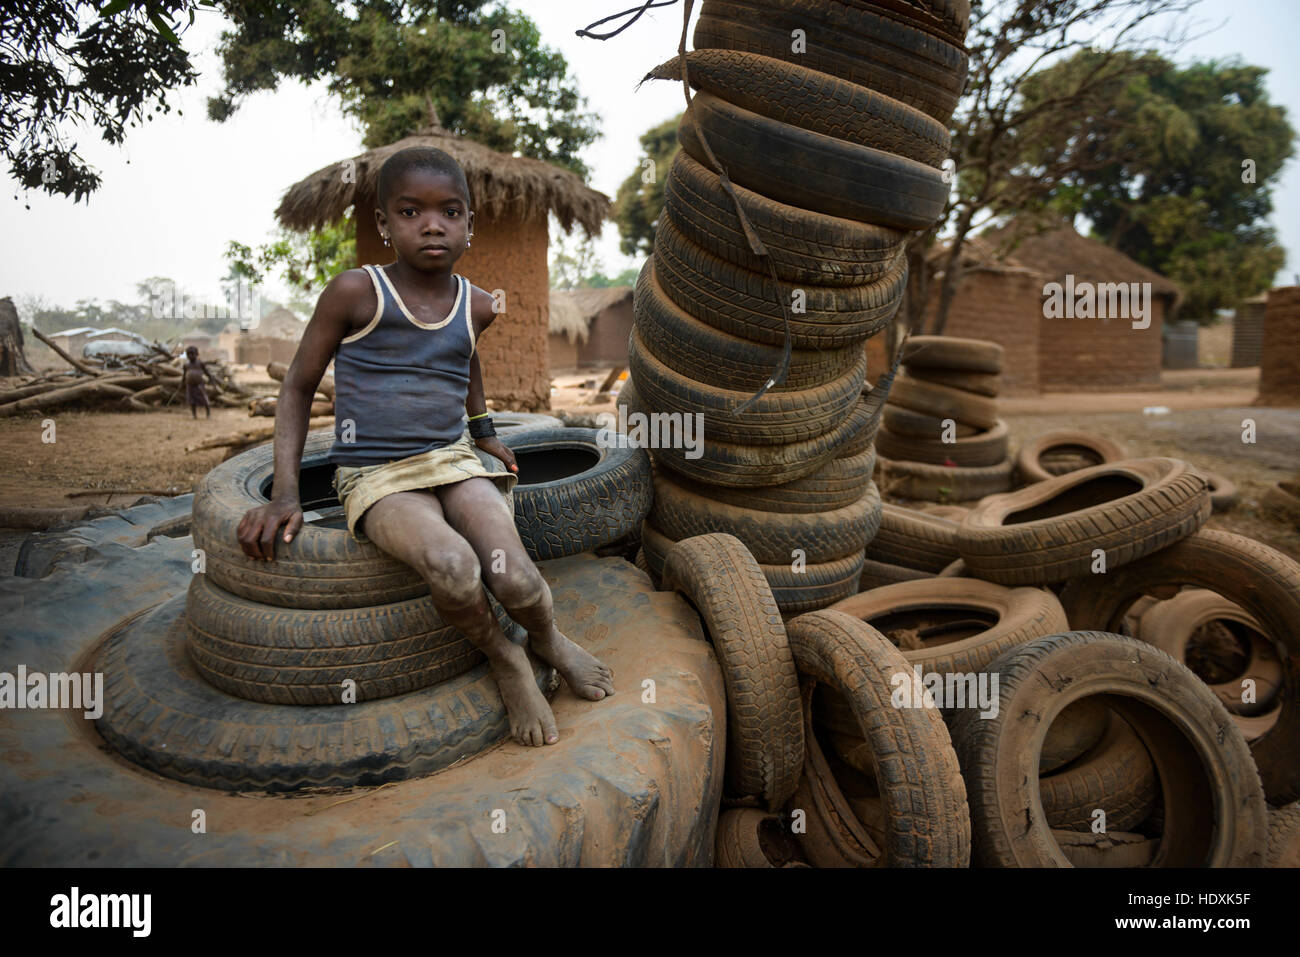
<point>403,337</point>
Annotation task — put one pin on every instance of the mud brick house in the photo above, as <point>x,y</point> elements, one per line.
<point>1001,297</point>
<point>589,327</point>
<point>512,198</point>
<point>1248,332</point>
<point>1279,367</point>
<point>273,338</point>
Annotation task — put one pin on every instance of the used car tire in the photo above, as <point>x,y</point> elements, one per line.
<point>914,539</point>
<point>1213,806</point>
<point>699,351</point>
<point>1047,532</point>
<point>919,425</point>
<point>575,495</point>
<point>812,170</point>
<point>1263,581</point>
<point>774,538</point>
<point>995,617</point>
<point>795,592</point>
<point>740,465</point>
<point>160,714</point>
<point>802,97</point>
<point>923,799</point>
<point>858,45</point>
<point>953,353</point>
<point>837,484</point>
<point>805,247</point>
<point>940,483</point>
<point>944,402</point>
<point>302,656</point>
<point>981,450</point>
<point>720,578</point>
<point>1098,448</point>
<point>1116,776</point>
<point>1170,626</point>
<point>778,418</point>
<point>876,574</point>
<point>981,383</point>
<point>323,567</point>
<point>748,305</point>
<point>748,837</point>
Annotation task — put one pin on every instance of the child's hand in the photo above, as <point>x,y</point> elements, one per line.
<point>257,529</point>
<point>494,446</point>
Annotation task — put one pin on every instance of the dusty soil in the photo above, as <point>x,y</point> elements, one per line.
<point>145,452</point>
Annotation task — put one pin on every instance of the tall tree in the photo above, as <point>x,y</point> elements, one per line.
<point>483,72</point>
<point>83,66</point>
<point>999,141</point>
<point>641,195</point>
<point>1183,178</point>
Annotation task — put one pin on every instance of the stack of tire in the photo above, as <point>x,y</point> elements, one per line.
<point>835,153</point>
<point>333,620</point>
<point>941,439</point>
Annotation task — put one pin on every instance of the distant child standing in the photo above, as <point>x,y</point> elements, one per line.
<point>195,372</point>
<point>406,375</point>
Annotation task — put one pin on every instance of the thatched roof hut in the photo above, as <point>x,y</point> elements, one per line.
<point>500,186</point>
<point>590,327</point>
<point>512,198</point>
<point>572,310</point>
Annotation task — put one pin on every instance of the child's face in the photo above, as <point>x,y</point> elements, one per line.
<point>191,353</point>
<point>427,219</point>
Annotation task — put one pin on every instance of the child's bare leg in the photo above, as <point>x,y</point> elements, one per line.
<point>410,526</point>
<point>477,510</point>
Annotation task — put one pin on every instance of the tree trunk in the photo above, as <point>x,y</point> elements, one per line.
<point>13,361</point>
<point>951,273</point>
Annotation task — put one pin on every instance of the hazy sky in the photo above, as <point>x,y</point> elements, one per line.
<point>182,186</point>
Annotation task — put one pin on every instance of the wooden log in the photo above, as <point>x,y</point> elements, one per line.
<point>59,397</point>
<point>15,516</point>
<point>278,370</point>
<point>246,436</point>
<point>63,355</point>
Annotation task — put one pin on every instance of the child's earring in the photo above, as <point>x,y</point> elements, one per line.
<point>469,242</point>
<point>385,235</point>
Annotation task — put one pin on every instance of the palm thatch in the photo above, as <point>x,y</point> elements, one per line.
<point>500,186</point>
<point>571,310</point>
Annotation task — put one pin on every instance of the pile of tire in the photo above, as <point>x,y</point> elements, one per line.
<point>335,621</point>
<point>834,153</point>
<point>941,439</point>
<point>1162,746</point>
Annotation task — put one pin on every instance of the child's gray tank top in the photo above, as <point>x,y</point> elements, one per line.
<point>399,383</point>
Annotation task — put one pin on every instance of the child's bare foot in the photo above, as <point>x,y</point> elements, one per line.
<point>531,720</point>
<point>586,675</point>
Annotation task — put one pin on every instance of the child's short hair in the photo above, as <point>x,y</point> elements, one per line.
<point>419,157</point>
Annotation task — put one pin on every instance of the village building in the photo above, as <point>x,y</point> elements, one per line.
<point>1279,367</point>
<point>512,198</point>
<point>589,327</point>
<point>1071,313</point>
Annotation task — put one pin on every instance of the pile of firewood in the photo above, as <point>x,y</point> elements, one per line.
<point>142,383</point>
<point>322,402</point>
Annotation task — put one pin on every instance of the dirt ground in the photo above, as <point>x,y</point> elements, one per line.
<point>145,452</point>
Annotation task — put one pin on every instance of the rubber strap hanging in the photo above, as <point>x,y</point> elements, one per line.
<point>756,245</point>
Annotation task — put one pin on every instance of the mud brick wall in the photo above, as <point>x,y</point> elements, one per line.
<point>1279,368</point>
<point>1100,355</point>
<point>507,254</point>
<point>607,336</point>
<point>1003,306</point>
<point>1248,335</point>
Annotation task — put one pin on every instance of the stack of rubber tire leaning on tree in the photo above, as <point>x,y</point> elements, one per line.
<point>834,150</point>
